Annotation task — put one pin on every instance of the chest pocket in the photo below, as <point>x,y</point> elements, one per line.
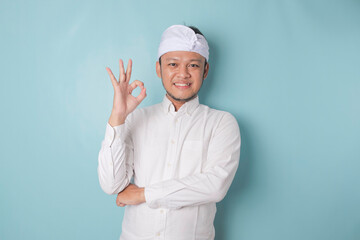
<point>190,158</point>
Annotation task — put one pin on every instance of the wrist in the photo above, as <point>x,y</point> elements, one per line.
<point>116,119</point>
<point>142,195</point>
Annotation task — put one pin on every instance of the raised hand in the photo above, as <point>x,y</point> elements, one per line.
<point>124,103</point>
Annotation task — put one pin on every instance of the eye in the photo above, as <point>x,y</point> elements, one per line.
<point>172,64</point>
<point>194,65</point>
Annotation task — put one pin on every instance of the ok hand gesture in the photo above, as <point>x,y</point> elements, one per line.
<point>124,103</point>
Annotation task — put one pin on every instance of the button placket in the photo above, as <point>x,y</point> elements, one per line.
<point>162,224</point>
<point>171,151</point>
<point>176,136</point>
<point>160,228</point>
<point>173,146</point>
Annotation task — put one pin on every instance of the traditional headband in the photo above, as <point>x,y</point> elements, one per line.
<point>182,38</point>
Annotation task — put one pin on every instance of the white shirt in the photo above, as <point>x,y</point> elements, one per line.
<point>186,160</point>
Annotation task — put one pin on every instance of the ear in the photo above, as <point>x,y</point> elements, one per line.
<point>158,69</point>
<point>206,70</point>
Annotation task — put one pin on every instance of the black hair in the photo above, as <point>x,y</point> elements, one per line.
<point>197,31</point>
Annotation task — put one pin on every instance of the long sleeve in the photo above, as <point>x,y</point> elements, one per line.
<point>115,160</point>
<point>212,184</point>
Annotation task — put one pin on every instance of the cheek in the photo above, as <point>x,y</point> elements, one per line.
<point>168,75</point>
<point>166,79</point>
<point>199,77</point>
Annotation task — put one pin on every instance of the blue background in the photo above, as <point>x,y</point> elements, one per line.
<point>288,70</point>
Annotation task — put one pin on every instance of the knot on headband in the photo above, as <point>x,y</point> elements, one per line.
<point>182,38</point>
<point>194,39</point>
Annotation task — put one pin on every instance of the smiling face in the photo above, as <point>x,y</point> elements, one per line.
<point>182,75</point>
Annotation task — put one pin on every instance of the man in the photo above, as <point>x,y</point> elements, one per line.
<point>182,155</point>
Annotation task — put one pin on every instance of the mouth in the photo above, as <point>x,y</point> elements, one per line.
<point>182,84</point>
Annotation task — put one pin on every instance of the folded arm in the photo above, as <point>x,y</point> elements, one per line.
<point>213,183</point>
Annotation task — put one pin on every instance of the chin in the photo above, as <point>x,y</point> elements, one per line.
<point>182,98</point>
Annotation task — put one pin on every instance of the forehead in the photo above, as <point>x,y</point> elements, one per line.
<point>182,56</point>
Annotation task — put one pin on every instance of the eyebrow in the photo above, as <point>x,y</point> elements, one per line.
<point>191,60</point>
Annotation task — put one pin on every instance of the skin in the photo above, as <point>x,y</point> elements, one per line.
<point>177,67</point>
<point>184,68</point>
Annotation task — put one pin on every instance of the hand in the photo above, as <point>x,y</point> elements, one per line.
<point>131,195</point>
<point>124,103</point>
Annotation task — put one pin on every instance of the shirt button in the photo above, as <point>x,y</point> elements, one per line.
<point>172,141</point>
<point>161,211</point>
<point>158,234</point>
<point>169,164</point>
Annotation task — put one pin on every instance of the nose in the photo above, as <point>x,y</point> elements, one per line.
<point>184,71</point>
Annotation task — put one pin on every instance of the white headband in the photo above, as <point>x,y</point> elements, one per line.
<point>182,38</point>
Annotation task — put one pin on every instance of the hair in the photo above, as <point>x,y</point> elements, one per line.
<point>197,31</point>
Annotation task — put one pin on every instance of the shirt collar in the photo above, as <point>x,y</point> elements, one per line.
<point>188,107</point>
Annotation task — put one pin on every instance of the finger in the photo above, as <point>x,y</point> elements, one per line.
<point>112,77</point>
<point>128,71</point>
<point>134,84</point>
<point>122,71</point>
<point>142,94</point>
<point>120,204</point>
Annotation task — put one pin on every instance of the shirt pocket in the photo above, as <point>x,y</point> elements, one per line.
<point>190,158</point>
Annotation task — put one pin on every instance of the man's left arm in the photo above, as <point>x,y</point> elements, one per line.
<point>209,186</point>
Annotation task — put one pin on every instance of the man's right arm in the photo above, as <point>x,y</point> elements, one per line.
<point>116,153</point>
<point>115,160</point>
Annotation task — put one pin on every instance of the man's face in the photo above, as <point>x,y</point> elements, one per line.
<point>182,74</point>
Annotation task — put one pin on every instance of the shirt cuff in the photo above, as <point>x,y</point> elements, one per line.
<point>150,197</point>
<point>112,133</point>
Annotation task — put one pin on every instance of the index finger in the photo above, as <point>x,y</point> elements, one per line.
<point>142,94</point>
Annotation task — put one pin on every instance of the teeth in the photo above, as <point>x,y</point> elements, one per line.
<point>182,84</point>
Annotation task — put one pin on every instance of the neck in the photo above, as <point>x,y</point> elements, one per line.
<point>177,104</point>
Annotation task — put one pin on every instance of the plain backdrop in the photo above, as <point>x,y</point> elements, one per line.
<point>289,71</point>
